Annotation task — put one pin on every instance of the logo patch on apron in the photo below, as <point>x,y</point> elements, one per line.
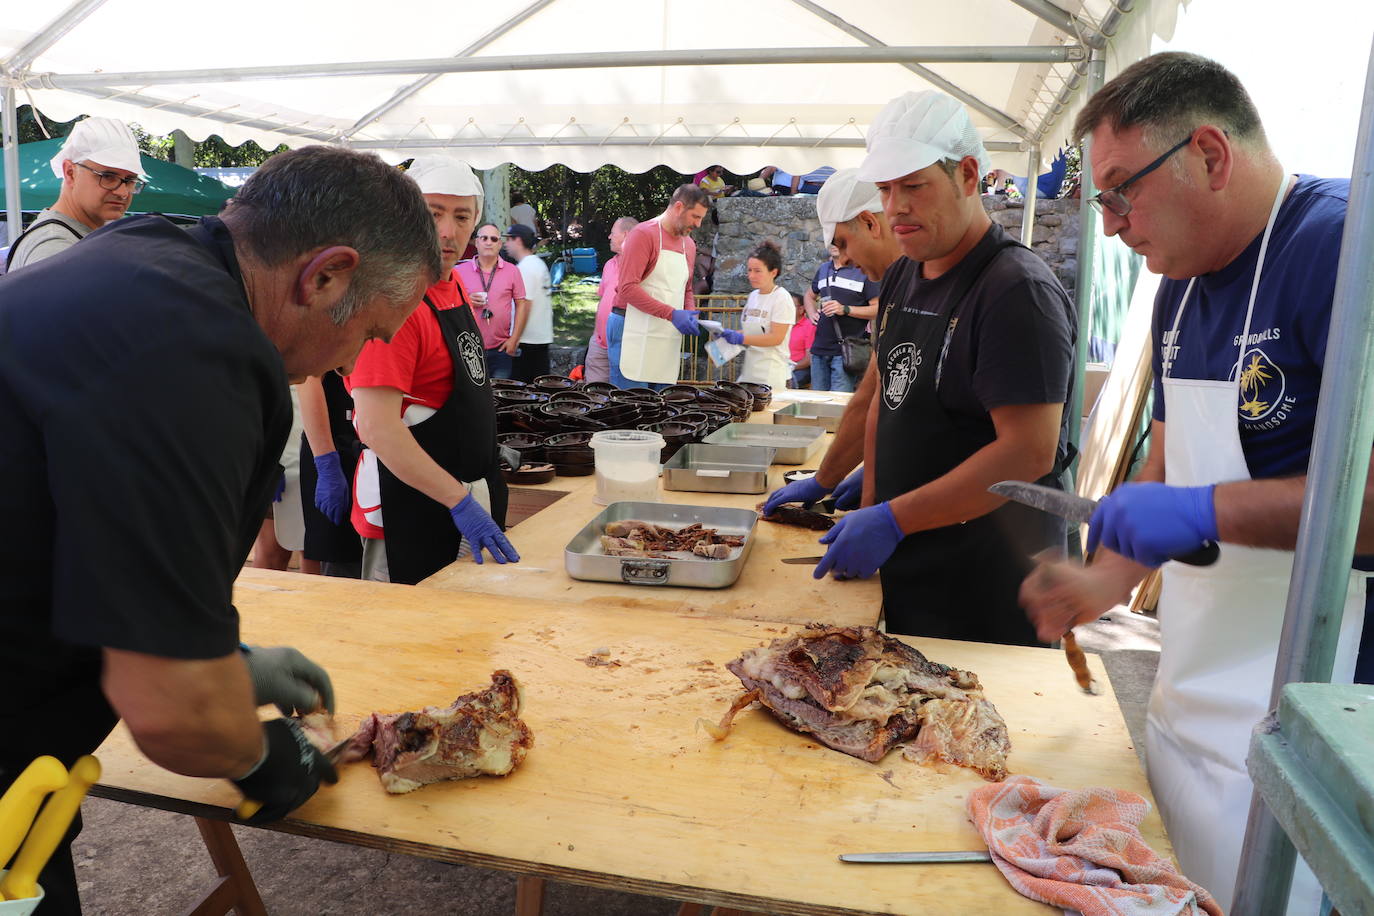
<point>474,358</point>
<point>1262,387</point>
<point>899,371</point>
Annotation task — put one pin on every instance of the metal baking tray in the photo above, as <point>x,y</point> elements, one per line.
<point>793,444</point>
<point>704,468</point>
<point>583,557</point>
<point>826,416</point>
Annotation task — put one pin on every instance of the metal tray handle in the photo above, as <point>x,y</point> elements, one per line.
<point>644,572</point>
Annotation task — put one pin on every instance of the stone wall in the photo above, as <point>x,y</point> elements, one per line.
<point>791,222</point>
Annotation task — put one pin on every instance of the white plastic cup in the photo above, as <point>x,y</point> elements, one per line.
<point>478,297</point>
<point>626,465</point>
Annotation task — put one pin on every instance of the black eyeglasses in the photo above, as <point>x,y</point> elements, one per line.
<point>488,238</point>
<point>112,182</point>
<point>1114,199</point>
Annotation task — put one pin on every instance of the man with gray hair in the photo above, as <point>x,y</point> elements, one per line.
<point>1249,253</point>
<point>975,364</point>
<point>143,384</point>
<point>598,362</point>
<point>428,484</point>
<point>101,172</point>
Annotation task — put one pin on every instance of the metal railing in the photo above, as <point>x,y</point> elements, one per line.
<point>697,368</point>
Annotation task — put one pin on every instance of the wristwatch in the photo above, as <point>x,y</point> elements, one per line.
<point>846,310</point>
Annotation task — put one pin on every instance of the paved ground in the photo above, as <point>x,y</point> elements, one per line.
<point>134,860</point>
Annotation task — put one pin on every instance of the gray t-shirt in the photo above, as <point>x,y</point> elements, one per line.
<point>46,241</point>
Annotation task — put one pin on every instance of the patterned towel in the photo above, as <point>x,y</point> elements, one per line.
<point>1081,850</point>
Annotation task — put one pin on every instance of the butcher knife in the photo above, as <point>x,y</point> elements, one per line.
<point>249,807</point>
<point>1080,510</point>
<point>804,561</point>
<point>21,882</point>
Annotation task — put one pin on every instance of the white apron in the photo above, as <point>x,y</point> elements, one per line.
<point>651,348</point>
<point>1219,630</point>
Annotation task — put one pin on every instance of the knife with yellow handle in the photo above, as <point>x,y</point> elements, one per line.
<point>245,809</point>
<point>20,802</point>
<point>48,831</point>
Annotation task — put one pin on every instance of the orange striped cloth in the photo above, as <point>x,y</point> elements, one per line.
<point>1081,850</point>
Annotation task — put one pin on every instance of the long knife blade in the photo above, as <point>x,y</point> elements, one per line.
<point>1047,499</point>
<point>804,561</point>
<point>876,858</point>
<point>1080,510</point>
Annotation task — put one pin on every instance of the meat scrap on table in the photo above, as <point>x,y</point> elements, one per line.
<point>798,517</point>
<point>862,692</point>
<point>480,733</point>
<point>635,538</point>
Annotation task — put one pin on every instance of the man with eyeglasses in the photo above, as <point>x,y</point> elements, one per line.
<point>100,172</point>
<point>496,290</point>
<point>1249,254</point>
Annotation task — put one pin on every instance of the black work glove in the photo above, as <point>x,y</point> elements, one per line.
<point>288,774</point>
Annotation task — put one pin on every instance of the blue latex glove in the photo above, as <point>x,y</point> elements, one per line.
<point>733,336</point>
<point>331,488</point>
<point>482,532</point>
<point>805,491</point>
<point>685,320</point>
<point>860,543</point>
<point>850,492</point>
<point>1151,523</point>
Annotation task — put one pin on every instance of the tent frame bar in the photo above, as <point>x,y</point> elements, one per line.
<point>1064,21</point>
<point>458,143</point>
<point>578,61</point>
<point>67,20</point>
<point>1120,9</point>
<point>9,124</point>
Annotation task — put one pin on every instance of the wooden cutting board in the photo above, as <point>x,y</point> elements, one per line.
<point>621,789</point>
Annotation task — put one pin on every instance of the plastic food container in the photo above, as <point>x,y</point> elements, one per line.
<point>626,465</point>
<point>20,907</point>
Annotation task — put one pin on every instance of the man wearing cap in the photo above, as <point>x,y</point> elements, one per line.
<point>496,289</point>
<point>645,328</point>
<point>975,366</point>
<point>144,382</point>
<point>841,300</point>
<point>1249,254</point>
<point>598,362</point>
<point>100,172</point>
<point>533,358</point>
<point>428,484</point>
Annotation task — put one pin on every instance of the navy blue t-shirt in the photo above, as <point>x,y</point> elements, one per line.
<point>847,286</point>
<point>1281,371</point>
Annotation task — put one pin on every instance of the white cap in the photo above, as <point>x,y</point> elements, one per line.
<point>105,141</point>
<point>843,197</point>
<point>916,130</point>
<point>438,174</point>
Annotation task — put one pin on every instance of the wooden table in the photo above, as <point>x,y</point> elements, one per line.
<point>767,589</point>
<point>621,789</point>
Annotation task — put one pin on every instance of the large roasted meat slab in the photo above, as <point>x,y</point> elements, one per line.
<point>862,692</point>
<point>481,733</point>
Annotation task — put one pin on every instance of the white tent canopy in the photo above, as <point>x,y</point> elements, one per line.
<point>581,82</point>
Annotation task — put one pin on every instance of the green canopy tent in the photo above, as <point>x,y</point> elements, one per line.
<point>170,189</point>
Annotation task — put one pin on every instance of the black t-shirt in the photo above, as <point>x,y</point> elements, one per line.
<point>142,415</point>
<point>1014,339</point>
<point>847,286</point>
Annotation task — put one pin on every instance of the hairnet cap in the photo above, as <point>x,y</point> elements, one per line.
<point>445,175</point>
<point>916,130</point>
<point>843,197</point>
<point>104,141</point>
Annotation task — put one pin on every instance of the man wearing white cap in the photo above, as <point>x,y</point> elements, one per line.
<point>853,222</point>
<point>100,172</point>
<point>428,482</point>
<point>975,363</point>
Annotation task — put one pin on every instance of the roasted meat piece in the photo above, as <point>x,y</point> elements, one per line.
<point>635,538</point>
<point>798,517</point>
<point>481,733</point>
<point>862,692</point>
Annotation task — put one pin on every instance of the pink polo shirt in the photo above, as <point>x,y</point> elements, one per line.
<point>503,287</point>
<point>610,278</point>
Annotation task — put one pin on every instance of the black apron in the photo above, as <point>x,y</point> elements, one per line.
<point>325,541</point>
<point>460,436</point>
<point>960,581</point>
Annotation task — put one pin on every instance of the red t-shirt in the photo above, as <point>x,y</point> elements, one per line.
<point>639,257</point>
<point>416,361</point>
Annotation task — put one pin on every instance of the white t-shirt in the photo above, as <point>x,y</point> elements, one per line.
<point>539,327</point>
<point>767,365</point>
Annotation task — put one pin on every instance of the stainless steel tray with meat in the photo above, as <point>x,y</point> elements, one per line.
<point>826,416</point>
<point>642,544</point>
<point>792,444</point>
<point>703,468</point>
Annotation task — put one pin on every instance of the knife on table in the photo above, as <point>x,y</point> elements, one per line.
<point>804,561</point>
<point>1079,509</point>
<point>249,807</point>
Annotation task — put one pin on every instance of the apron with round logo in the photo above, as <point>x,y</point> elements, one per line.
<point>651,348</point>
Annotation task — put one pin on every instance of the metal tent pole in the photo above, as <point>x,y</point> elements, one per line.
<point>53,32</point>
<point>1032,192</point>
<point>1330,512</point>
<point>14,217</point>
<point>1088,225</point>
